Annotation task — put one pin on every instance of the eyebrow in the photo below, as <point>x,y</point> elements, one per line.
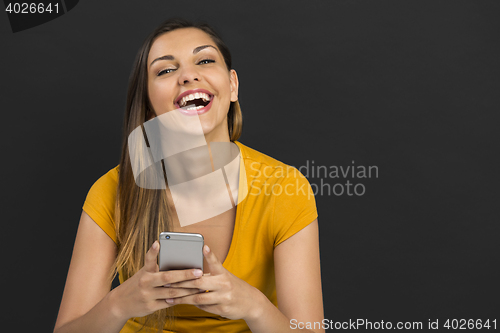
<point>171,57</point>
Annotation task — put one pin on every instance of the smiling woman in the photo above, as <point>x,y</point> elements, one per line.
<point>261,256</point>
<point>186,57</point>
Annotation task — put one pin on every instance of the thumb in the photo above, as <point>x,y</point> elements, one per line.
<point>150,260</point>
<point>214,265</point>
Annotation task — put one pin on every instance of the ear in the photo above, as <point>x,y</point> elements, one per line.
<point>233,80</point>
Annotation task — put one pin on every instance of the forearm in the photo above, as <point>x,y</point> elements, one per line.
<point>102,318</point>
<point>269,318</point>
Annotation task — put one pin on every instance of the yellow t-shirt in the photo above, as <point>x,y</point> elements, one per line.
<point>280,202</point>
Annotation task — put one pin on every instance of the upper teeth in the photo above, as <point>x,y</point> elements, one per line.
<point>190,97</point>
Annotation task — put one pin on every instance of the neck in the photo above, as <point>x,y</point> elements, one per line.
<point>197,194</point>
<point>200,161</point>
<point>218,134</point>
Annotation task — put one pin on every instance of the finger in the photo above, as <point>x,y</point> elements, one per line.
<point>150,260</point>
<point>164,293</point>
<point>198,299</point>
<point>204,283</point>
<point>168,277</point>
<point>160,304</point>
<point>212,308</point>
<point>214,265</point>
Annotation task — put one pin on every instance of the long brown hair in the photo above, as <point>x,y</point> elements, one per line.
<point>141,214</point>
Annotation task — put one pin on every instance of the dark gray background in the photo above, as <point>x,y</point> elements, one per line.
<point>409,86</point>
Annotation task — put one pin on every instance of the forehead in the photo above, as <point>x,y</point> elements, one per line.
<point>178,42</point>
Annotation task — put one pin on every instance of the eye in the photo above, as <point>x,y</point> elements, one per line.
<point>205,61</point>
<point>170,70</point>
<point>165,71</point>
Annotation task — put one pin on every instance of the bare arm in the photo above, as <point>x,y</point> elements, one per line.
<point>89,306</point>
<point>84,306</point>
<point>298,286</point>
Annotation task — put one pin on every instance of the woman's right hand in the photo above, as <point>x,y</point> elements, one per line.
<point>145,292</point>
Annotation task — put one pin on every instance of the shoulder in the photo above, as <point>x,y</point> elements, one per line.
<point>110,177</point>
<point>100,201</point>
<point>106,182</point>
<point>264,168</point>
<point>286,191</point>
<point>250,154</point>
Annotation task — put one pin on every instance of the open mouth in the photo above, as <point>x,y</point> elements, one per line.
<point>194,101</point>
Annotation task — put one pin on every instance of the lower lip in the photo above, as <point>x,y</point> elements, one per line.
<point>203,110</point>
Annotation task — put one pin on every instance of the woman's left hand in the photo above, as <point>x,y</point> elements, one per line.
<point>228,296</point>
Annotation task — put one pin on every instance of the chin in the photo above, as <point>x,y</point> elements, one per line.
<point>209,128</point>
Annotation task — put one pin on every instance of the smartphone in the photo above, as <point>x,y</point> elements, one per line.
<point>180,250</point>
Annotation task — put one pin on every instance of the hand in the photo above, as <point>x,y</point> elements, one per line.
<point>228,296</point>
<point>145,292</point>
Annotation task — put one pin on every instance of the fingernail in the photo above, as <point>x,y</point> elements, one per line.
<point>207,249</point>
<point>155,245</point>
<point>170,300</point>
<point>198,273</point>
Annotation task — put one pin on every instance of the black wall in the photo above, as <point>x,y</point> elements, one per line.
<point>411,87</point>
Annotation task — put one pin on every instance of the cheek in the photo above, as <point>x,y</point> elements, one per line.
<point>154,96</point>
<point>219,79</point>
<point>158,95</point>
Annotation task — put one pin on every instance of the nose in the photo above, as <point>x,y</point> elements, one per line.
<point>188,74</point>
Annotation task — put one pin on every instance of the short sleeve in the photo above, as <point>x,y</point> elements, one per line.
<point>295,206</point>
<point>100,202</point>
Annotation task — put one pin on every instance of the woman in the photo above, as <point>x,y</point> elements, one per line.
<point>261,266</point>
